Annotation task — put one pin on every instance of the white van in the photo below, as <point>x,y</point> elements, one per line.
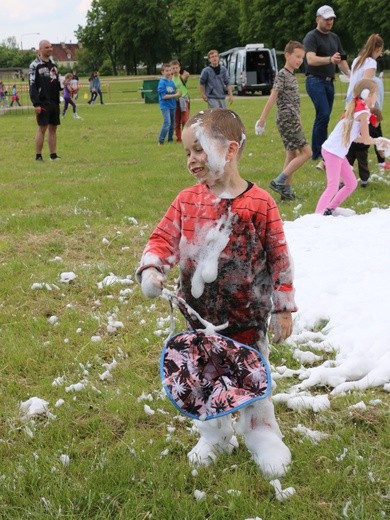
<point>251,68</point>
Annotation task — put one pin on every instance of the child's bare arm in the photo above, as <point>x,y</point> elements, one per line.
<point>364,137</point>
<point>267,108</point>
<point>177,94</point>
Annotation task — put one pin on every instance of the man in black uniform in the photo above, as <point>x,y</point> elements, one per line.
<point>323,52</point>
<point>45,96</point>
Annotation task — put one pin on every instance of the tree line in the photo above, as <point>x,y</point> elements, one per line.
<point>129,32</point>
<point>119,35</point>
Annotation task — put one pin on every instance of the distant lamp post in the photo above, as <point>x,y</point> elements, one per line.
<point>27,34</point>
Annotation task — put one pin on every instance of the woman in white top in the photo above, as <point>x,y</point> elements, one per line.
<point>364,65</point>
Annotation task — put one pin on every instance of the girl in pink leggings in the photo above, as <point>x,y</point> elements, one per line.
<point>353,126</point>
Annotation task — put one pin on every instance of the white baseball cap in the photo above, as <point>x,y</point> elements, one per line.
<point>326,12</point>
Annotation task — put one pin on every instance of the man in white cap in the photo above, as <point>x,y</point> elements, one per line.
<point>323,52</point>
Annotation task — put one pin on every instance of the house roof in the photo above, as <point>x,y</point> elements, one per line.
<point>65,51</point>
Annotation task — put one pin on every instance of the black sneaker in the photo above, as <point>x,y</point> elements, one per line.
<point>54,157</point>
<point>288,195</point>
<point>38,158</point>
<point>328,212</point>
<point>283,190</point>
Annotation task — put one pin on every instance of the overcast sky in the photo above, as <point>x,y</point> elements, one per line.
<point>54,20</point>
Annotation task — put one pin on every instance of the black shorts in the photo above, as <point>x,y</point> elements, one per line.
<point>50,115</point>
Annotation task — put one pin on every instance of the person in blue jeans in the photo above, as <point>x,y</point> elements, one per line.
<point>323,53</point>
<point>167,96</point>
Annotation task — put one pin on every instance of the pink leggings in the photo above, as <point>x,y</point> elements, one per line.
<point>336,168</point>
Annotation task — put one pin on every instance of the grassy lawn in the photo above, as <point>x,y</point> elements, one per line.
<point>91,214</point>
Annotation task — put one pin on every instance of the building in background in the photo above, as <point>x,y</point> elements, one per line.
<point>65,54</point>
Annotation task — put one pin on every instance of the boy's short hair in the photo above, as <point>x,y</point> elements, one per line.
<point>174,62</point>
<point>222,124</point>
<point>212,52</point>
<point>165,66</point>
<point>292,45</point>
<point>378,113</point>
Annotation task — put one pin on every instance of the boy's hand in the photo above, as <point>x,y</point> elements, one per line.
<point>152,282</point>
<point>178,93</point>
<point>280,326</point>
<point>260,127</point>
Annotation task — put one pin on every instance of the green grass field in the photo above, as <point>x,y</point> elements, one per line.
<point>91,214</point>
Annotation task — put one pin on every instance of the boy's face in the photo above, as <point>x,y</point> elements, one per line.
<point>175,70</point>
<point>205,156</point>
<point>214,59</point>
<point>295,59</point>
<point>196,156</point>
<point>167,72</point>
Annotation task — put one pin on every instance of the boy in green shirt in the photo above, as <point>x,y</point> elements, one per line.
<point>183,103</point>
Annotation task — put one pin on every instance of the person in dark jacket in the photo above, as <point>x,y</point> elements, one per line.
<point>44,89</point>
<point>214,82</point>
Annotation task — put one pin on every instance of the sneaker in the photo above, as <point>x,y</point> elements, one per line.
<point>54,157</point>
<point>39,158</point>
<point>363,184</point>
<point>283,189</point>
<point>387,165</point>
<point>328,212</point>
<point>321,165</point>
<point>76,116</point>
<point>288,196</point>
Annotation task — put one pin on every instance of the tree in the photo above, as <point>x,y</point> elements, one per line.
<point>273,23</point>
<point>10,43</point>
<point>184,19</point>
<point>98,35</point>
<point>148,33</point>
<point>359,19</point>
<point>11,56</point>
<point>217,26</point>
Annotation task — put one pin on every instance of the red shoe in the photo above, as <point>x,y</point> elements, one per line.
<point>387,165</point>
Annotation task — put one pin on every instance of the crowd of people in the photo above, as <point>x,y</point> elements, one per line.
<point>321,52</point>
<point>225,232</point>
